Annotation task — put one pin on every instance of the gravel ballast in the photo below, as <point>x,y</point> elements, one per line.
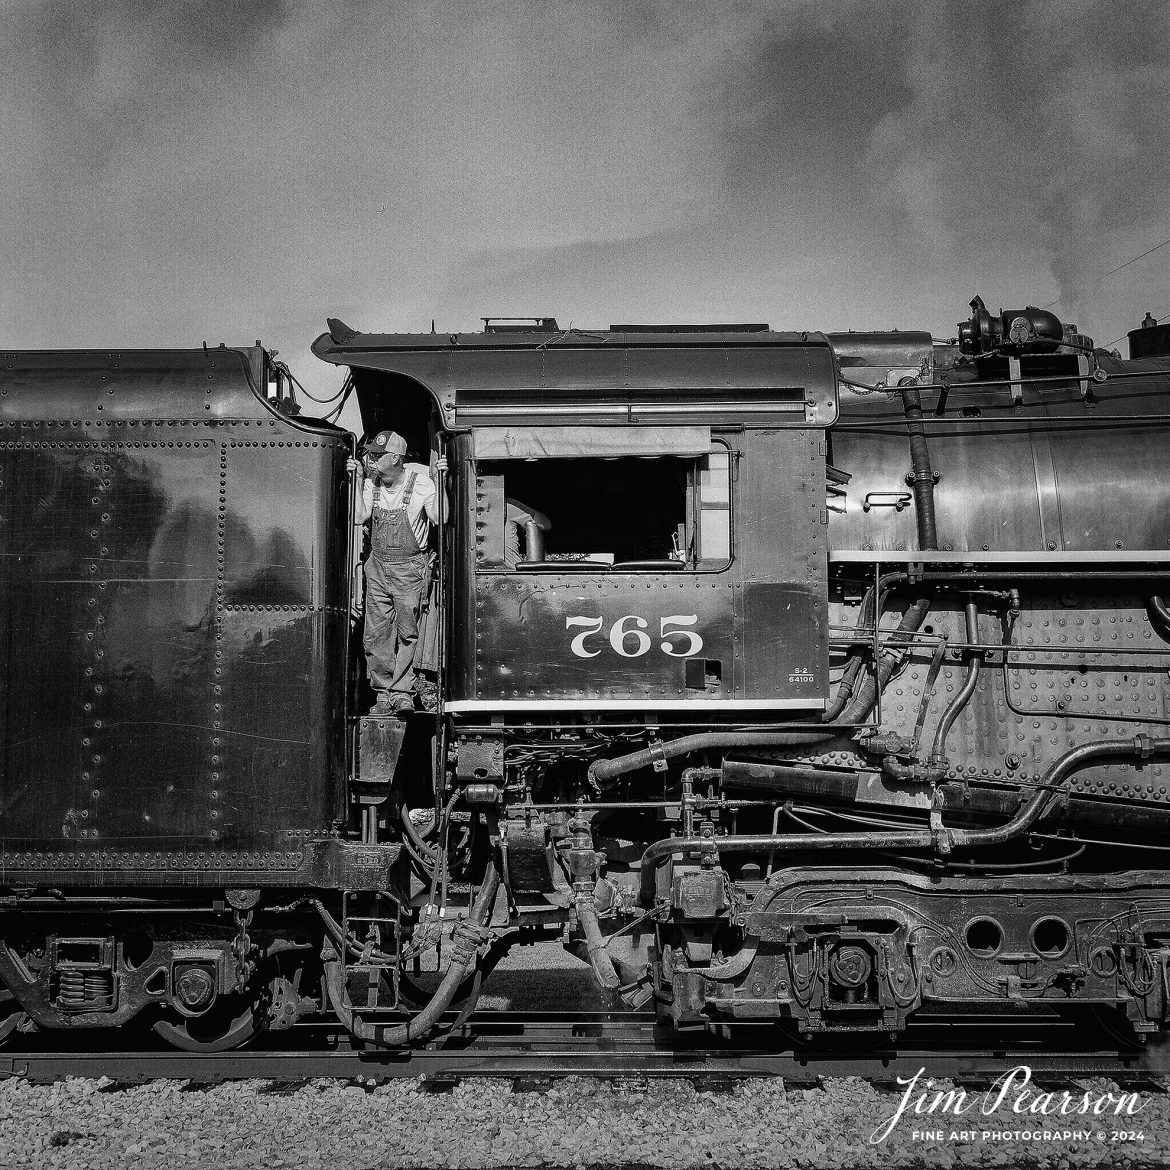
<point>585,1122</point>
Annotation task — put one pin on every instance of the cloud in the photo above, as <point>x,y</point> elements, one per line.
<point>1016,144</point>
<point>89,77</point>
<point>193,170</point>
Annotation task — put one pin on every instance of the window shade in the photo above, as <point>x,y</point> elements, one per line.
<point>553,442</point>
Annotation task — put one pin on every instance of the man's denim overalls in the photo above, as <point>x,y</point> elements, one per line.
<point>396,573</point>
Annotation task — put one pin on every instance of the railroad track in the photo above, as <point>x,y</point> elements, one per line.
<point>550,1046</point>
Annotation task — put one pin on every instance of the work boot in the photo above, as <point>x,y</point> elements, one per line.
<point>403,702</point>
<point>428,694</point>
<point>384,704</point>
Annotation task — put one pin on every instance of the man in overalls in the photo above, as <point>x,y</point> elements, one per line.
<point>400,501</point>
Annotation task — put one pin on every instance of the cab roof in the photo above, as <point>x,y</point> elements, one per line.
<point>625,375</point>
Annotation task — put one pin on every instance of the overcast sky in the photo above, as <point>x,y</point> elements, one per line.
<point>173,172</point>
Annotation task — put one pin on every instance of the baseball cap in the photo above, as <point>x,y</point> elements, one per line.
<point>385,441</point>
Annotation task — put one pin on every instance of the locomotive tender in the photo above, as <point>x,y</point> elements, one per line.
<point>834,693</point>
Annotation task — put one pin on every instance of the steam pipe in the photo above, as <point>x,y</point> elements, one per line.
<point>937,766</point>
<point>1141,746</point>
<point>938,758</point>
<point>1160,611</point>
<point>602,771</point>
<point>657,851</point>
<point>921,472</point>
<point>936,837</point>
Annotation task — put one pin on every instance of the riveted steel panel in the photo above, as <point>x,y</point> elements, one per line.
<point>129,685</point>
<point>283,528</point>
<point>305,861</point>
<point>109,671</point>
<point>1083,667</point>
<point>274,719</point>
<point>47,601</point>
<point>784,647</point>
<point>592,636</point>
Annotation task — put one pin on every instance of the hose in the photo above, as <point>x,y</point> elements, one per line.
<point>429,852</point>
<point>869,612</point>
<point>860,705</point>
<point>844,690</point>
<point>603,966</point>
<point>936,769</point>
<point>465,957</point>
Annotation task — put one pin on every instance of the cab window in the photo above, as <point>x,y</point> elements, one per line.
<point>624,513</point>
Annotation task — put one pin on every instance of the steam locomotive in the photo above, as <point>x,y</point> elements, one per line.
<point>834,693</point>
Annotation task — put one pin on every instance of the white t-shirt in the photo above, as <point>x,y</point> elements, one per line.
<point>418,508</point>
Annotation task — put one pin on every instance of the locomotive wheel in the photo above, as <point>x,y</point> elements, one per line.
<point>230,1024</point>
<point>11,1015</point>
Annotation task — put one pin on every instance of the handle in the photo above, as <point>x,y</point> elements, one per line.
<point>895,500</point>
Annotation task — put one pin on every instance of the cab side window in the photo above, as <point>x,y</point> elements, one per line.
<point>625,513</point>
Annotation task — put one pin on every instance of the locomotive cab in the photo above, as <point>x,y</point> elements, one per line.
<point>680,478</point>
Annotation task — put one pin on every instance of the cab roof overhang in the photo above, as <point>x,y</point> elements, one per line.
<point>609,378</point>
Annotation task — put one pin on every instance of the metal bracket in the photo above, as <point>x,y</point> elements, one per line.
<point>1089,372</point>
<point>943,840</point>
<point>468,938</point>
<point>708,853</point>
<point>657,756</point>
<point>1017,386</point>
